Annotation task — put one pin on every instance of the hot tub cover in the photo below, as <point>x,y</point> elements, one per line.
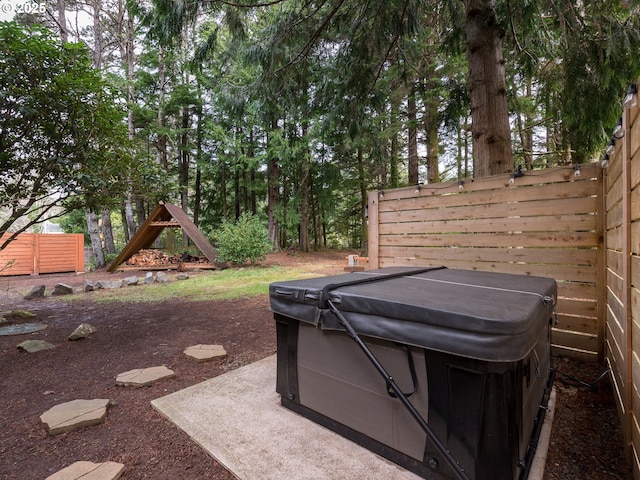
<point>483,315</point>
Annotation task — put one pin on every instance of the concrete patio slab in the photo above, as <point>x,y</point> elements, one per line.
<point>237,418</point>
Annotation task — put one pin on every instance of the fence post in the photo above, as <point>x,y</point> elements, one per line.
<point>627,419</point>
<point>374,245</point>
<point>601,281</point>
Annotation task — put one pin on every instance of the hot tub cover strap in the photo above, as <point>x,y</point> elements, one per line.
<point>324,295</point>
<point>393,386</point>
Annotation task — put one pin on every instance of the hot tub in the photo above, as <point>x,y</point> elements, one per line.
<point>470,350</point>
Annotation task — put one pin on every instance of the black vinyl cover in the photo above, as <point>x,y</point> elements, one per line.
<point>482,315</point>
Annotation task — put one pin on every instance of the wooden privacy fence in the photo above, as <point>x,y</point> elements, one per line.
<point>33,253</point>
<point>622,245</point>
<point>547,223</point>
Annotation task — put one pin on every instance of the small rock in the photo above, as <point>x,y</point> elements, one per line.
<point>62,289</point>
<point>89,470</point>
<point>89,286</point>
<point>108,284</point>
<point>83,331</point>
<point>183,276</point>
<point>149,279</point>
<point>36,292</point>
<point>32,346</point>
<point>130,281</point>
<point>161,277</point>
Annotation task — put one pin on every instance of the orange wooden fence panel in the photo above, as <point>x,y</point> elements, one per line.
<point>34,253</point>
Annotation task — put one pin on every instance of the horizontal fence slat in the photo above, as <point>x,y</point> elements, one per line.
<point>562,256</point>
<point>555,223</point>
<point>545,223</point>
<point>552,239</point>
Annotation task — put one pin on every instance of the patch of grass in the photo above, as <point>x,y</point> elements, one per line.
<point>215,285</point>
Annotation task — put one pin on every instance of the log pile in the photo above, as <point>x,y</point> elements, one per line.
<point>157,258</point>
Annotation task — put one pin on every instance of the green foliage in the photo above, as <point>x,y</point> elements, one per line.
<point>242,240</point>
<point>62,138</point>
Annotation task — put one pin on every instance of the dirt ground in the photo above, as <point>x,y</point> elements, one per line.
<point>586,440</point>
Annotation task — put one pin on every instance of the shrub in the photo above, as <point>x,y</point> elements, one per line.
<point>242,240</point>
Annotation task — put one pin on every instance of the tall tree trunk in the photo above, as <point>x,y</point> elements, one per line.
<point>161,156</point>
<point>107,230</point>
<point>236,191</point>
<point>94,235</point>
<point>431,130</point>
<point>62,21</point>
<point>125,226</point>
<point>128,57</point>
<point>412,112</point>
<point>304,190</point>
<point>273,197</point>
<point>93,226</point>
<point>197,194</point>
<point>362,181</point>
<point>184,161</point>
<point>223,190</point>
<point>490,117</point>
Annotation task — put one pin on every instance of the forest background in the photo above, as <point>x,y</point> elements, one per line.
<point>291,110</point>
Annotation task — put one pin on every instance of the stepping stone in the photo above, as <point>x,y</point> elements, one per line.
<point>202,353</point>
<point>141,377</point>
<point>32,346</point>
<point>36,292</point>
<point>89,471</point>
<point>62,289</point>
<point>75,414</point>
<point>22,328</point>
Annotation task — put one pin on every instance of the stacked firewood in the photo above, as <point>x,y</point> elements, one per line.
<point>156,258</point>
<point>148,258</point>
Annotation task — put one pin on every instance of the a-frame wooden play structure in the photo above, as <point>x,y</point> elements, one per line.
<point>165,215</point>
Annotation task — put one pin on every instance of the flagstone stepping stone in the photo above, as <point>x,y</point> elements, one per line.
<point>36,292</point>
<point>89,471</point>
<point>141,377</point>
<point>32,346</point>
<point>22,328</point>
<point>202,353</point>
<point>75,414</point>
